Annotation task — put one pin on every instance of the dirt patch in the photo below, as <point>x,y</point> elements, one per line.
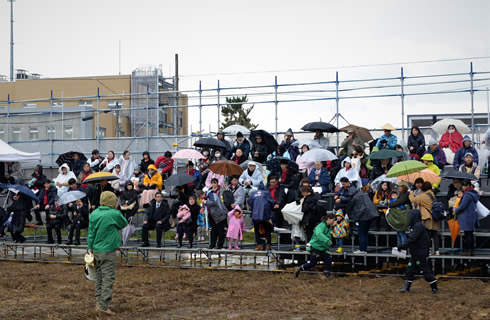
<point>59,291</point>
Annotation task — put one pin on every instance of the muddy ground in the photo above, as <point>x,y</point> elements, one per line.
<point>60,291</point>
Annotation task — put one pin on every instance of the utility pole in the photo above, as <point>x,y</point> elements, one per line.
<point>175,111</point>
<point>11,39</point>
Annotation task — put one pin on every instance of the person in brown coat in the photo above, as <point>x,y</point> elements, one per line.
<point>424,203</point>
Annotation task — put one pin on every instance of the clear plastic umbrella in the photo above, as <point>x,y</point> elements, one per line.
<point>317,155</point>
<point>234,129</point>
<point>71,196</point>
<point>441,126</point>
<point>312,144</point>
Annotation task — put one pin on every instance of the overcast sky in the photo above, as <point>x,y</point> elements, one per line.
<point>245,43</point>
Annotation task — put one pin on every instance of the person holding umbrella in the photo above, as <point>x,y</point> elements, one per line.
<point>260,150</point>
<point>471,167</point>
<point>320,138</point>
<point>77,163</point>
<point>451,141</point>
<point>319,177</point>
<point>287,144</point>
<point>19,210</point>
<point>351,142</point>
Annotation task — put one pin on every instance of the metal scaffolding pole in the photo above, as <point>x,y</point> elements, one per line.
<point>11,39</point>
<point>219,111</point>
<point>148,117</point>
<point>200,107</point>
<point>337,106</point>
<point>53,129</point>
<point>8,118</point>
<point>97,129</point>
<point>472,93</point>
<point>402,80</point>
<point>275,102</point>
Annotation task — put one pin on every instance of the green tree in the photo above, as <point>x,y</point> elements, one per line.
<point>236,113</point>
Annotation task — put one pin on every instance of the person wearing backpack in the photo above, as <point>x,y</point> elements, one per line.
<point>424,203</point>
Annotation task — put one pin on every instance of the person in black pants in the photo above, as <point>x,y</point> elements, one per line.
<point>79,221</point>
<point>217,215</point>
<point>418,244</point>
<point>46,196</point>
<point>157,217</point>
<point>21,210</point>
<point>54,220</point>
<point>261,203</point>
<point>310,218</point>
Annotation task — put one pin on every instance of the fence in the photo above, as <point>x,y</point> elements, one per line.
<point>86,120</point>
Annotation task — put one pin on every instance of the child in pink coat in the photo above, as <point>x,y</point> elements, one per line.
<point>185,225</point>
<point>236,227</point>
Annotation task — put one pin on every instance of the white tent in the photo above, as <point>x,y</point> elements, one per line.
<point>8,153</point>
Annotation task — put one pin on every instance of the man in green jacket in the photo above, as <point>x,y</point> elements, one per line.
<point>318,246</point>
<point>104,237</point>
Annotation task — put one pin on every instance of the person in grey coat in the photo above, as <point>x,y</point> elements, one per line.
<point>238,192</point>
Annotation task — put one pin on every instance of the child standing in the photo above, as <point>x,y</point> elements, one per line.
<point>185,225</point>
<point>318,246</point>
<point>339,231</point>
<point>418,245</point>
<point>236,226</point>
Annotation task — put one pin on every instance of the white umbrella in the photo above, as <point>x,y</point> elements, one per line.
<point>317,155</point>
<point>441,126</point>
<point>234,129</point>
<point>71,196</point>
<point>312,144</point>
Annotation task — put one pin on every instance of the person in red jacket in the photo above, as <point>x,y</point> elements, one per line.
<point>165,164</point>
<point>451,139</point>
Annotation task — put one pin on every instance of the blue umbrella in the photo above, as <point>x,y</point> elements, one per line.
<point>25,190</point>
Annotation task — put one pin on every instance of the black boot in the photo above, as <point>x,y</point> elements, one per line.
<point>408,284</point>
<point>297,271</point>
<point>433,286</point>
<point>326,275</point>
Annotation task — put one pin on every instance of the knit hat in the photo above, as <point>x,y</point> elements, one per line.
<point>239,134</point>
<point>432,141</point>
<point>109,199</point>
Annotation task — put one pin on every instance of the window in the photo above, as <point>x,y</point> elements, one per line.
<point>68,132</point>
<point>16,134</point>
<point>114,104</point>
<point>3,107</point>
<point>29,105</point>
<point>101,133</point>
<point>85,103</point>
<point>33,133</point>
<point>2,134</point>
<point>50,132</point>
<point>58,104</point>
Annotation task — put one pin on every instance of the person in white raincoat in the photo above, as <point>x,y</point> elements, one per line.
<point>349,172</point>
<point>61,180</point>
<point>127,166</point>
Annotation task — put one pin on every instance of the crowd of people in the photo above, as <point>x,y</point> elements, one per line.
<point>215,203</point>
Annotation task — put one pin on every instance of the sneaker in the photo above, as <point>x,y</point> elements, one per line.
<point>339,250</point>
<point>359,252</point>
<point>297,271</point>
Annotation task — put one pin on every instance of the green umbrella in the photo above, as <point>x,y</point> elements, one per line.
<point>385,154</point>
<point>405,168</point>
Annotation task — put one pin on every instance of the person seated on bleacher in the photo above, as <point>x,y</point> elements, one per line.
<point>471,167</point>
<point>13,173</point>
<point>345,194</point>
<point>238,192</point>
<point>461,153</point>
<point>73,186</point>
<point>157,217</point>
<point>79,221</point>
<point>451,141</point>
<point>277,192</point>
<point>319,177</point>
<point>62,179</point>
<point>38,178</point>
<point>429,162</point>
<point>437,153</point>
<point>46,197</point>
<point>94,192</point>
<point>152,183</point>
<point>95,160</point>
<point>348,172</point>
<point>165,165</point>
<point>129,200</point>
<point>251,178</point>
<point>87,170</point>
<point>54,220</point>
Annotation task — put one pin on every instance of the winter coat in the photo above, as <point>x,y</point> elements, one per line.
<point>240,160</point>
<point>351,174</point>
<point>424,204</point>
<point>474,169</point>
<point>164,166</point>
<point>15,171</point>
<point>216,207</point>
<point>391,141</point>
<point>144,164</point>
<point>245,146</point>
<point>60,214</point>
<point>236,227</point>
<point>52,194</point>
<point>439,157</point>
<point>280,195</point>
<point>225,152</point>
<point>322,237</point>
<point>361,208</point>
<point>82,176</point>
<point>323,179</point>
<point>418,143</point>
<point>452,140</point>
<point>78,166</point>
<point>95,162</point>
<point>346,195</point>
<point>184,215</point>
<point>196,184</point>
<point>459,156</point>
<point>154,215</point>
<point>39,179</point>
<point>263,151</point>
<point>21,209</point>
<point>418,240</point>
<point>261,204</point>
<point>256,177</point>
<point>308,208</point>
<point>155,179</point>
<point>348,144</point>
<point>129,196</point>
<point>378,170</point>
<point>467,216</point>
<point>403,200</point>
<point>238,195</point>
<point>64,178</point>
<point>195,209</point>
<point>82,215</point>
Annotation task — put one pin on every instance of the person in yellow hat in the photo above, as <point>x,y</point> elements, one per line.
<point>428,160</point>
<point>387,140</point>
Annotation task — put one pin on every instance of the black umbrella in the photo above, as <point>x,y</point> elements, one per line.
<point>179,179</point>
<point>267,139</point>
<point>319,125</point>
<point>385,154</point>
<point>459,175</point>
<point>210,143</point>
<point>23,189</point>
<point>68,158</point>
<point>274,165</point>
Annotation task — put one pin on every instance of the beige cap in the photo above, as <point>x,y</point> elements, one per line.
<point>388,127</point>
